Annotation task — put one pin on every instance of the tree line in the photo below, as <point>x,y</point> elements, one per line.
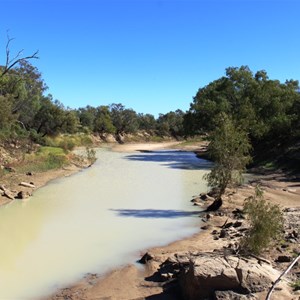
<point>25,109</point>
<point>248,118</point>
<point>265,111</point>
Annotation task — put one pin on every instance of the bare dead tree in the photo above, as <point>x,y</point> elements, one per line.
<point>12,61</point>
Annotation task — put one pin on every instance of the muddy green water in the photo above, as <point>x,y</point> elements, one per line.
<point>97,219</point>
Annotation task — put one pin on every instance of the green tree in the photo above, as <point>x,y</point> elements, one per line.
<point>229,148</point>
<point>29,92</point>
<point>71,121</point>
<point>171,124</point>
<point>6,117</point>
<point>52,118</point>
<point>20,88</point>
<point>87,117</point>
<point>146,122</point>
<point>265,108</point>
<point>103,122</point>
<point>124,120</point>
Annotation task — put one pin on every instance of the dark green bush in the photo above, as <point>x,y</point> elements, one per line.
<point>266,223</point>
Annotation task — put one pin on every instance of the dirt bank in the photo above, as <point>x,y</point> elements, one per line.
<point>144,146</point>
<point>19,186</point>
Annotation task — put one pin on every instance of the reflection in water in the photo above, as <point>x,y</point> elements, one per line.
<point>77,224</point>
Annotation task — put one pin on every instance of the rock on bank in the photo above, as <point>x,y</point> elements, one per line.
<point>209,274</point>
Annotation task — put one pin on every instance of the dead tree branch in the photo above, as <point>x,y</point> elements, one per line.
<point>11,62</point>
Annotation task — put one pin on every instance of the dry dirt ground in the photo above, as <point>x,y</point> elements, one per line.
<point>12,181</point>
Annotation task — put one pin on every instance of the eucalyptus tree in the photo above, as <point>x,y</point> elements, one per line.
<point>171,123</point>
<point>20,87</point>
<point>53,118</point>
<point>146,122</point>
<point>229,148</point>
<point>103,121</point>
<point>87,117</point>
<point>265,108</point>
<point>124,120</point>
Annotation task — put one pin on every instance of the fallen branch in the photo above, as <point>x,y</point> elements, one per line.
<point>30,185</point>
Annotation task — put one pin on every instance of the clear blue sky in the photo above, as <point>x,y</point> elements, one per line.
<point>150,55</point>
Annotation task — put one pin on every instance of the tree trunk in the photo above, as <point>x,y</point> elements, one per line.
<point>215,205</point>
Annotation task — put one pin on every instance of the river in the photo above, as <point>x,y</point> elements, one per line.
<point>97,219</point>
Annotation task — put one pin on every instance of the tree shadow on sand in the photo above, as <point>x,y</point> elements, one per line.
<point>155,213</point>
<point>174,159</point>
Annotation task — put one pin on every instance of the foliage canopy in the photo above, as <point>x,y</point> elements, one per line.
<point>229,149</point>
<point>266,109</point>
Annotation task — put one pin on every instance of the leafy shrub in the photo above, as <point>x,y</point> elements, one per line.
<point>46,158</point>
<point>155,139</point>
<point>55,161</point>
<point>36,137</point>
<point>91,155</point>
<point>50,150</point>
<point>85,140</point>
<point>2,172</point>
<point>68,142</point>
<point>296,285</point>
<point>13,132</point>
<point>266,223</point>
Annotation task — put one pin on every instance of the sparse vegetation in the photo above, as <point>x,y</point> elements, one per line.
<point>91,155</point>
<point>190,141</point>
<point>46,158</point>
<point>266,223</point>
<point>296,285</point>
<point>68,142</point>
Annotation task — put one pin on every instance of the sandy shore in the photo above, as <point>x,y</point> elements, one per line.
<point>134,282</point>
<point>13,180</point>
<point>144,146</point>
